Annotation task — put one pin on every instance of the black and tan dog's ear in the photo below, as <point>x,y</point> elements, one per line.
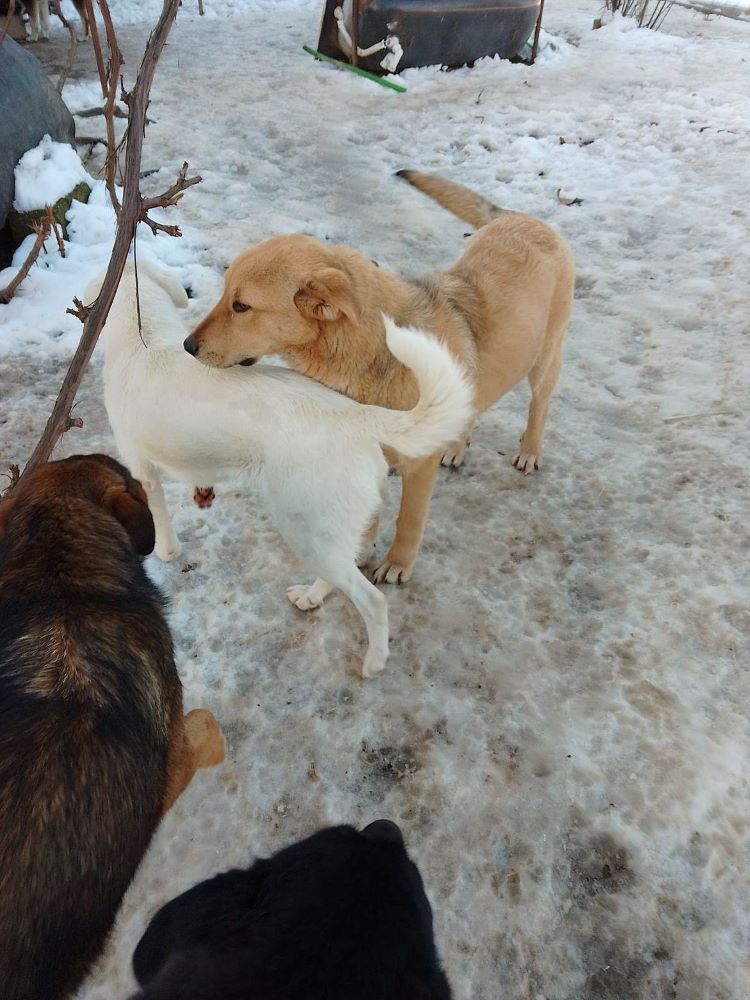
<point>6,509</point>
<point>130,507</point>
<point>327,295</point>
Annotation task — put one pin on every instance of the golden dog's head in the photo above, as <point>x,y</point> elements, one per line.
<point>276,297</point>
<point>97,479</point>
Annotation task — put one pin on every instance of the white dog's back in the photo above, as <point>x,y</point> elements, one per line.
<point>314,454</point>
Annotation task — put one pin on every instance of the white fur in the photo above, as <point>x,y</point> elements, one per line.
<point>313,455</point>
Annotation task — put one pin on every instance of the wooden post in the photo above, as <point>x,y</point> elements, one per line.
<point>355,33</point>
<point>535,46</point>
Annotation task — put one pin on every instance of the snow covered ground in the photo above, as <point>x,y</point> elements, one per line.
<point>562,728</point>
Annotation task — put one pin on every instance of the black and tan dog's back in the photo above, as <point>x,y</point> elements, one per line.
<point>93,744</point>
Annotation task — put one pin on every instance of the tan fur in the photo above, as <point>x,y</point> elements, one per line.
<point>502,309</point>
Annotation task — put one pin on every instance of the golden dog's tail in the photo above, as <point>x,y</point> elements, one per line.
<point>461,201</point>
<point>446,399</point>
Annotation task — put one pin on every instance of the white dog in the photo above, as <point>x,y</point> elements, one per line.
<point>314,455</point>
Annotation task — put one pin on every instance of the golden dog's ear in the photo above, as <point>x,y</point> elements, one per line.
<point>130,508</point>
<point>6,509</point>
<point>327,295</point>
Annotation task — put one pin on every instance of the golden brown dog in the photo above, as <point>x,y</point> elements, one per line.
<point>93,744</point>
<point>502,309</point>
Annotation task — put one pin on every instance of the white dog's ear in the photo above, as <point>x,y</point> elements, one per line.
<point>167,281</point>
<point>327,295</point>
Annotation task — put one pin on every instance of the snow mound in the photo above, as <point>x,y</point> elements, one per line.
<point>47,173</point>
<point>36,319</point>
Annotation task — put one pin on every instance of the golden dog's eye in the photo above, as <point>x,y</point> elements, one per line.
<point>240,307</point>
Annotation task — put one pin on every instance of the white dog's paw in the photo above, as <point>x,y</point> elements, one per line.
<point>455,454</point>
<point>167,551</point>
<point>373,664</point>
<point>304,596</point>
<point>391,572</point>
<point>526,462</point>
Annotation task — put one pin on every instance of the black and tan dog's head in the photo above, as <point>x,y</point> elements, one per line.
<point>97,479</point>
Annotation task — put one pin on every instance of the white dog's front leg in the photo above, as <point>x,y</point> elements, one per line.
<point>83,33</point>
<point>167,546</point>
<point>43,6</point>
<point>34,22</point>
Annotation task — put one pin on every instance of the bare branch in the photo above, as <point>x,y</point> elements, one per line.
<point>81,311</point>
<point>159,227</point>
<point>95,112</point>
<point>108,80</point>
<point>13,473</point>
<point>95,315</point>
<point>71,50</point>
<point>53,224</point>
<point>42,232</point>
<point>173,194</point>
<point>8,17</point>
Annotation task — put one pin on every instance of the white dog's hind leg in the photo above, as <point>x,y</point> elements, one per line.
<point>307,596</point>
<point>373,607</point>
<point>167,547</point>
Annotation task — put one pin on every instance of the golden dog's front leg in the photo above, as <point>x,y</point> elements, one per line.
<point>418,480</point>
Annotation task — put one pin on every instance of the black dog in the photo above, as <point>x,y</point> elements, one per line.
<point>340,916</point>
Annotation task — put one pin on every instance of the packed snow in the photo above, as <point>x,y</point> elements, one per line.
<point>562,727</point>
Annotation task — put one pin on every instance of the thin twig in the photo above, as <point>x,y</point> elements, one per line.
<point>173,194</point>
<point>8,18</point>
<point>52,221</point>
<point>95,112</point>
<point>71,50</point>
<point>95,315</point>
<point>42,232</point>
<point>108,77</point>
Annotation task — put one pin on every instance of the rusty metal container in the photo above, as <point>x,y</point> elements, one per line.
<point>428,32</point>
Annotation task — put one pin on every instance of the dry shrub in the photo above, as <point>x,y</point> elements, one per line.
<point>648,13</point>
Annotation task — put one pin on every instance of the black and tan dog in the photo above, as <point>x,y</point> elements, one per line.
<point>93,744</point>
<point>341,915</point>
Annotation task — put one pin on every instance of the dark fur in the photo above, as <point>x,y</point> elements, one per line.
<point>339,916</point>
<point>88,695</point>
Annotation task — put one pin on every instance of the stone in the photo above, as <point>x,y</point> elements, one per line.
<point>30,107</point>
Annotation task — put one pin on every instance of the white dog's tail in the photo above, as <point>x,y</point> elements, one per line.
<point>446,399</point>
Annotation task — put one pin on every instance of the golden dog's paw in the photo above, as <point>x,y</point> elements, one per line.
<point>304,596</point>
<point>455,454</point>
<point>526,462</point>
<point>204,496</point>
<point>390,571</point>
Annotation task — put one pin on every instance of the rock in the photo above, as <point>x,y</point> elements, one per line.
<point>21,223</point>
<point>30,107</point>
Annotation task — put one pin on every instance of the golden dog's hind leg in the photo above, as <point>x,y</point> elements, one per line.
<point>416,491</point>
<point>196,742</point>
<point>542,379</point>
